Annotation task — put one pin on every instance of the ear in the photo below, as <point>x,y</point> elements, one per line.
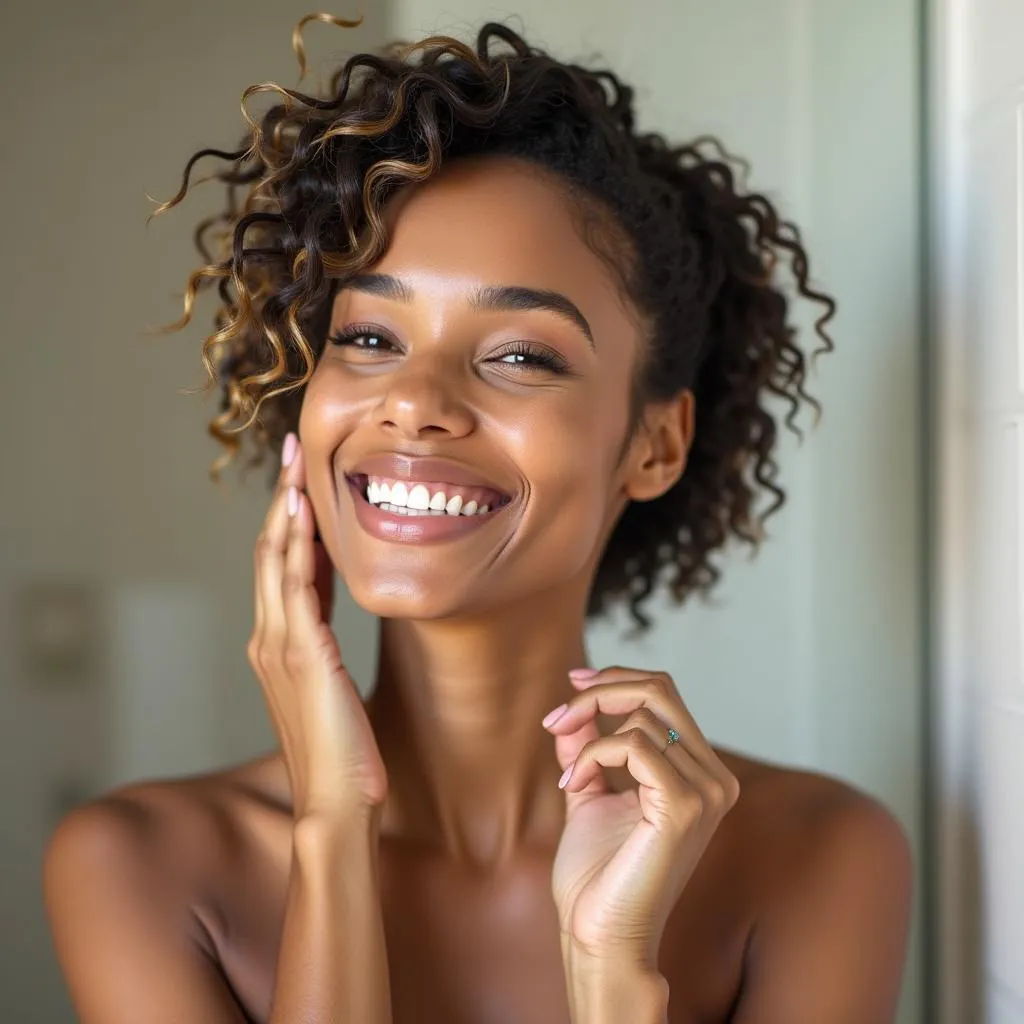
<point>660,449</point>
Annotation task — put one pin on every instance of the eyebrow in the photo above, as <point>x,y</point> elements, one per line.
<point>490,298</point>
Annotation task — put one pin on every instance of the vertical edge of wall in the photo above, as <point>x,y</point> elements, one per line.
<point>951,881</point>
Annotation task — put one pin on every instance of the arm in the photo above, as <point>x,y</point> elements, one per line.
<point>126,940</point>
<point>612,990</point>
<point>332,964</point>
<point>131,949</point>
<point>832,949</point>
<point>333,895</point>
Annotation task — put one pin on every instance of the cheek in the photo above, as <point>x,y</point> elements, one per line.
<point>569,462</point>
<point>321,412</point>
<point>325,419</point>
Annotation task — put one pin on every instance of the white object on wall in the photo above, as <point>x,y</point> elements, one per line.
<point>163,660</point>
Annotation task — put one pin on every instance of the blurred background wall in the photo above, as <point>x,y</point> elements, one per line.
<point>125,602</point>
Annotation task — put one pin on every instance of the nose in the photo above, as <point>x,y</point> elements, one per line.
<point>425,396</point>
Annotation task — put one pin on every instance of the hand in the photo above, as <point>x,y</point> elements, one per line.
<point>624,858</point>
<point>331,754</point>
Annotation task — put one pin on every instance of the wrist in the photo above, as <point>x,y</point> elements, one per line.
<point>330,820</point>
<point>613,988</point>
<point>352,836</point>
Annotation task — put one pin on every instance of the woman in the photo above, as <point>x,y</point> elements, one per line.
<point>515,357</point>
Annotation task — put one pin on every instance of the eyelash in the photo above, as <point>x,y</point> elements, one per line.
<point>540,358</point>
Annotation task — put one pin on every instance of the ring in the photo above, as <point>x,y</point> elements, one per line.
<point>673,737</point>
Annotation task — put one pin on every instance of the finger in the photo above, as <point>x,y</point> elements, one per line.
<point>676,753</point>
<point>271,547</point>
<point>662,791</point>
<point>608,674</point>
<point>569,746</point>
<point>312,657</point>
<point>299,598</point>
<point>623,696</point>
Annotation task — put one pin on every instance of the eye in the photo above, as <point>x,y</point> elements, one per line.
<point>373,338</point>
<point>523,354</point>
<point>367,339</point>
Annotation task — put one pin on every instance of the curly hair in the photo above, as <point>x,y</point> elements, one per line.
<point>305,193</point>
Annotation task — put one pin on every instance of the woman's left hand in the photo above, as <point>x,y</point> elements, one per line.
<point>624,858</point>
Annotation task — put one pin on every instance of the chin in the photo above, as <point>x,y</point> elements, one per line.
<point>403,598</point>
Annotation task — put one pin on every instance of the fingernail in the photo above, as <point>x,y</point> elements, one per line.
<point>565,776</point>
<point>583,673</point>
<point>293,501</point>
<point>553,716</point>
<point>288,453</point>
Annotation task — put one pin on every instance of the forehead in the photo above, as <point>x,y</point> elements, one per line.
<point>499,221</point>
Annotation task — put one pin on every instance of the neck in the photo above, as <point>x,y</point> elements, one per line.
<point>457,714</point>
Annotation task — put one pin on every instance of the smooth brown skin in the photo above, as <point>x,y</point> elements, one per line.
<point>167,897</point>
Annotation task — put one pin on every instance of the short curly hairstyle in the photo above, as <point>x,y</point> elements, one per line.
<point>305,193</point>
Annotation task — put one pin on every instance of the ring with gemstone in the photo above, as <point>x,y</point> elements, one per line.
<point>673,737</point>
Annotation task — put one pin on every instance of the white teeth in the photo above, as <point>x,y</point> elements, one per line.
<point>401,510</point>
<point>416,500</point>
<point>419,498</point>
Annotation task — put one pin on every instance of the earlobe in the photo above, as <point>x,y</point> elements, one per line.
<point>663,444</point>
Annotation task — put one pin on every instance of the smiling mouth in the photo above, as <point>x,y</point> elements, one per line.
<point>427,498</point>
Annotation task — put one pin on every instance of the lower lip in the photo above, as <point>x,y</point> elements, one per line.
<point>414,529</point>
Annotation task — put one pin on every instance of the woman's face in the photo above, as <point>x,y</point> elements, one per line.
<point>525,391</point>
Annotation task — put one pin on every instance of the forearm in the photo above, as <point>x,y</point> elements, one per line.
<point>612,990</point>
<point>332,964</point>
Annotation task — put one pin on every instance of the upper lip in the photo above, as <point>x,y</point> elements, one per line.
<point>394,466</point>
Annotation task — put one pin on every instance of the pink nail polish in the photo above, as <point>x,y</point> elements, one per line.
<point>583,673</point>
<point>563,781</point>
<point>554,715</point>
<point>288,453</point>
<point>293,501</point>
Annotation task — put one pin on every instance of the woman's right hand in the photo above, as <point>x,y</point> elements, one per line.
<point>333,762</point>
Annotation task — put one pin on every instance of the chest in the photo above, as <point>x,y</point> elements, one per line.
<point>486,950</point>
<point>481,950</point>
<point>477,972</point>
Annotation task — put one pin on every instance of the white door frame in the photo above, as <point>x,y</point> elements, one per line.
<point>950,881</point>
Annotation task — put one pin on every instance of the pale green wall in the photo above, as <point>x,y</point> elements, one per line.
<point>812,657</point>
<point>813,654</point>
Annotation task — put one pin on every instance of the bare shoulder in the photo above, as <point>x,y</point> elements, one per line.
<point>140,884</point>
<point>174,814</point>
<point>828,894</point>
<point>806,818</point>
<point>170,838</point>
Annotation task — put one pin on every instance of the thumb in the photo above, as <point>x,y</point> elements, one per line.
<point>567,749</point>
